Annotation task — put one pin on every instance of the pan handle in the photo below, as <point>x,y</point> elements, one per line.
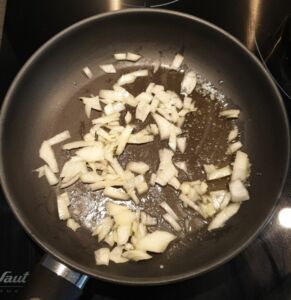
<point>53,280</point>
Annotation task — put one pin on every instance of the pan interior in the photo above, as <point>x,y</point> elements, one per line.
<point>44,102</point>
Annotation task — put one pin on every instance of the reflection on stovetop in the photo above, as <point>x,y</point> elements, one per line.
<point>262,270</point>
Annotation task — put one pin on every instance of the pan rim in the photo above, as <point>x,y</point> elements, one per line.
<point>119,279</point>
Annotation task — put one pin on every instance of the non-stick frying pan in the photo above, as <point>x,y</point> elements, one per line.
<point>42,101</point>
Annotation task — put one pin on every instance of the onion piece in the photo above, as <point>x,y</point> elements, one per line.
<point>169,210</point>
<point>241,167</point>
<point>48,173</point>
<point>59,138</point>
<point>150,88</point>
<point>116,255</point>
<point>177,62</point>
<point>173,140</point>
<point>140,73</point>
<point>136,255</point>
<point>69,181</point>
<point>47,154</point>
<point>154,129</point>
<point>147,220</point>
<point>78,144</point>
<point>109,239</point>
<point>72,224</point>
<point>182,166</point>
<point>186,201</point>
<point>153,179</point>
<point>108,68</point>
<point>128,117</point>
<point>232,148</point>
<point>123,139</point>
<point>126,79</point>
<point>174,182</point>
<point>87,72</point>
<point>188,83</point>
<point>220,219</point>
<point>165,127</point>
<point>156,241</point>
<point>142,111</point>
<point>181,143</point>
<point>123,234</point>
<point>114,193</point>
<point>132,56</point>
<point>220,199</point>
<point>156,64</point>
<point>102,256</point>
<point>213,173</point>
<point>72,168</point>
<point>238,191</point>
<point>166,170</point>
<point>103,228</point>
<point>157,88</point>
<point>169,219</point>
<point>63,202</point>
<point>140,139</point>
<point>106,119</point>
<point>140,184</point>
<point>105,183</point>
<point>91,153</point>
<point>233,134</point>
<point>120,56</point>
<point>137,167</point>
<point>230,113</point>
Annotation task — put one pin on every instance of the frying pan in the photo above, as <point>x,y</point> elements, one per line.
<point>42,101</point>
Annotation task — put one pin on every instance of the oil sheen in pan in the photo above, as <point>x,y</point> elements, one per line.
<point>206,143</point>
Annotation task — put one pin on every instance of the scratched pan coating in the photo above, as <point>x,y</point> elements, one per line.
<point>43,101</point>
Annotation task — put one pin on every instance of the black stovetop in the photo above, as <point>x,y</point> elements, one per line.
<point>263,270</point>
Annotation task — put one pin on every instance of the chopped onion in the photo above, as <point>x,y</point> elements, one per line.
<point>126,79</point>
<point>63,202</point>
<point>182,166</point>
<point>137,167</point>
<point>140,139</point>
<point>166,170</point>
<point>91,153</point>
<point>106,119</point>
<point>136,255</point>
<point>123,139</point>
<point>103,228</point>
<point>102,256</point>
<point>114,193</point>
<point>140,73</point>
<point>173,140</point>
<point>213,173</point>
<point>47,154</point>
<point>109,239</point>
<point>241,166</point>
<point>48,173</point>
<point>169,218</point>
<point>69,181</point>
<point>142,111</point>
<point>232,148</point>
<point>181,143</point>
<point>238,191</point>
<point>132,56</point>
<point>71,223</point>
<point>120,56</point>
<point>233,134</point>
<point>108,68</point>
<point>87,72</point>
<point>140,184</point>
<point>220,199</point>
<point>123,234</point>
<point>150,88</point>
<point>156,64</point>
<point>220,219</point>
<point>127,117</point>
<point>156,241</point>
<point>174,182</point>
<point>177,62</point>
<point>72,168</point>
<point>157,88</point>
<point>147,220</point>
<point>59,138</point>
<point>153,179</point>
<point>165,127</point>
<point>116,255</point>
<point>230,113</point>
<point>188,83</point>
<point>78,144</point>
<point>169,210</point>
<point>154,129</point>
